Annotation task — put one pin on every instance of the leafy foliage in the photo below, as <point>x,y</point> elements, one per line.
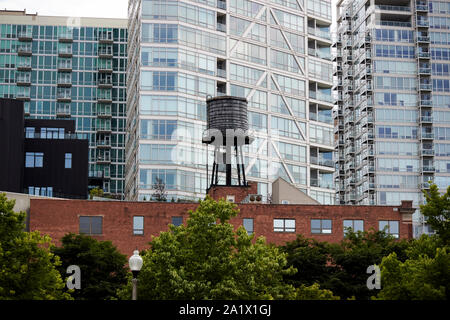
<point>102,266</point>
<point>341,267</point>
<point>27,267</point>
<point>437,211</point>
<point>425,275</point>
<point>207,259</point>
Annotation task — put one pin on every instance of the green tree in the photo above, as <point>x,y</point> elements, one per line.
<point>27,267</point>
<point>353,255</point>
<point>96,192</point>
<point>437,211</point>
<point>314,292</point>
<point>425,275</point>
<point>207,259</point>
<point>102,266</point>
<point>340,267</point>
<point>310,258</point>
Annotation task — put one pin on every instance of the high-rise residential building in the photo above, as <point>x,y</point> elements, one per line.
<point>276,54</point>
<point>74,68</point>
<point>392,116</point>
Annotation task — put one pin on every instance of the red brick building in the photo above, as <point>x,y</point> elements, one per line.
<point>130,225</point>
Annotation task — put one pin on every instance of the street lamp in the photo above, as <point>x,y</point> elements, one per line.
<point>135,262</point>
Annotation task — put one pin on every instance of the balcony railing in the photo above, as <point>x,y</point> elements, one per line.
<point>222,4</point>
<point>221,27</point>
<point>321,96</point>
<point>393,8</point>
<point>395,24</point>
<point>319,33</point>
<point>423,23</point>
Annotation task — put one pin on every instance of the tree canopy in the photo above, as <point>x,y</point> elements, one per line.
<point>207,259</point>
<point>437,211</point>
<point>103,267</point>
<point>27,266</point>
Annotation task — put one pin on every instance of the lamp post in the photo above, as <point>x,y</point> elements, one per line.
<point>135,262</point>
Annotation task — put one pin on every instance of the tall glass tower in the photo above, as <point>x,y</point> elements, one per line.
<point>74,68</point>
<point>276,54</point>
<point>392,116</point>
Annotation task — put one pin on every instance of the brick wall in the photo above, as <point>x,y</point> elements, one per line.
<point>59,217</point>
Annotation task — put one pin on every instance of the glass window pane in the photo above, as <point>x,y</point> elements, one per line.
<point>177,221</point>
<point>96,225</point>
<point>248,225</point>
<point>85,225</point>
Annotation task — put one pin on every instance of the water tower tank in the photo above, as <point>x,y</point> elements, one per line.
<point>227,112</point>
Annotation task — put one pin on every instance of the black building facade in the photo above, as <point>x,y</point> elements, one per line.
<point>53,160</point>
<point>11,145</point>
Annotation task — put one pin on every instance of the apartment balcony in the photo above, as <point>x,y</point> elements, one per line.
<point>65,52</point>
<point>395,9</point>
<point>105,83</point>
<point>222,73</point>
<point>24,65</point>
<point>317,32</point>
<point>426,119</point>
<point>25,50</point>
<point>104,112</point>
<point>64,96</point>
<point>423,23</point>
<point>422,7</point>
<point>426,103</point>
<point>105,67</point>
<point>322,162</point>
<point>402,24</point>
<point>63,111</point>
<point>316,95</point>
<point>23,95</point>
<point>25,36</point>
<point>103,159</point>
<point>222,4</point>
<point>425,152</point>
<point>96,174</point>
<point>321,184</point>
<point>65,66</point>
<point>65,37</point>
<point>105,52</point>
<point>64,82</point>
<point>103,128</point>
<point>106,37</point>
<point>426,87</point>
<point>104,98</point>
<point>103,144</point>
<point>423,39</point>
<point>426,135</point>
<point>425,185</point>
<point>221,27</point>
<point>427,169</point>
<point>424,70</point>
<point>423,55</point>
<point>23,80</point>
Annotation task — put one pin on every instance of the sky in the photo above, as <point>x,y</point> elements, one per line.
<point>77,8</point>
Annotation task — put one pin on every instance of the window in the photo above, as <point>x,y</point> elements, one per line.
<point>355,225</point>
<point>177,221</point>
<point>91,225</point>
<point>248,225</point>
<point>29,132</point>
<point>284,201</point>
<point>34,160</point>
<point>390,227</point>
<point>68,161</point>
<point>41,191</point>
<point>284,225</point>
<point>230,198</point>
<point>320,226</point>
<point>138,226</point>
